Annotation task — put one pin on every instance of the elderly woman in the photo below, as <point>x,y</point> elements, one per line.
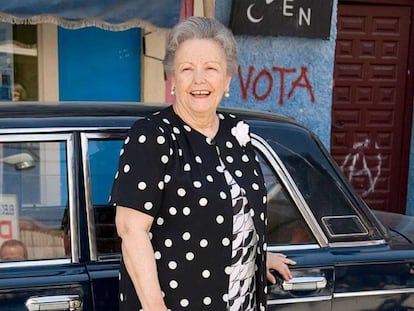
<point>190,196</point>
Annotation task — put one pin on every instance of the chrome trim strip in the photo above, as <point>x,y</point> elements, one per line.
<point>298,300</point>
<point>357,243</point>
<point>35,263</point>
<point>72,194</point>
<point>374,293</point>
<point>293,247</point>
<point>90,217</point>
<point>290,185</point>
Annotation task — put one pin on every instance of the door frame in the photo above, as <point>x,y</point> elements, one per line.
<point>409,97</point>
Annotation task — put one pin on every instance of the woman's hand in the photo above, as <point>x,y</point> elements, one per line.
<point>278,262</point>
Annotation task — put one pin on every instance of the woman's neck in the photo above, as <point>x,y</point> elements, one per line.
<point>206,124</point>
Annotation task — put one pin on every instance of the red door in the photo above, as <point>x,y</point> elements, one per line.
<point>368,110</point>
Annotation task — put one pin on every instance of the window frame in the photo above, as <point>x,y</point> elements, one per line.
<point>68,140</point>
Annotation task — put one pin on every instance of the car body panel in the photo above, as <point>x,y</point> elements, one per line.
<point>348,257</point>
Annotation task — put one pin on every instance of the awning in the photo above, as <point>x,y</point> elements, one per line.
<point>106,14</point>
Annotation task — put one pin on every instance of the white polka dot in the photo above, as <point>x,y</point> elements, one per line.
<point>148,205</point>
<point>208,140</point>
<point>161,185</point>
<point>180,152</point>
<point>164,159</point>
<point>256,173</point>
<point>127,168</point>
<point>127,139</point>
<point>117,174</point>
<point>228,270</point>
<point>225,297</point>
<point>167,179</point>
<point>187,128</point>
<point>198,159</point>
<point>166,121</point>
<point>181,192</point>
<point>252,212</point>
<point>205,274</point>
<point>186,211</point>
<point>238,173</point>
<point>157,255</point>
<point>220,169</point>
<point>264,199</point>
<point>173,284</point>
<point>255,186</point>
<point>121,296</point>
<point>229,144</point>
<point>226,242</point>
<point>172,265</point>
<point>186,236</point>
<point>229,159</point>
<point>245,158</point>
<point>189,256</point>
<point>121,152</point>
<point>262,216</point>
<point>171,151</point>
<point>203,202</point>
<point>184,302</point>
<point>219,219</point>
<point>207,301</point>
<point>220,115</point>
<point>210,178</point>
<point>160,140</point>
<point>168,242</point>
<point>160,221</point>
<point>223,195</point>
<point>187,168</point>
<point>172,211</point>
<point>203,243</point>
<point>197,184</point>
<point>176,130</point>
<point>173,136</point>
<point>142,139</point>
<point>142,185</point>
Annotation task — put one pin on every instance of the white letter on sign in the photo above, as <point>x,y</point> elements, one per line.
<point>286,7</point>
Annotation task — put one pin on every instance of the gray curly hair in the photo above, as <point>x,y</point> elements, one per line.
<point>201,28</point>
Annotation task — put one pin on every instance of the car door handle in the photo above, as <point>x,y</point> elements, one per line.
<point>61,302</point>
<point>305,283</point>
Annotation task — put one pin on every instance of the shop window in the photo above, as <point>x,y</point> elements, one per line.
<point>18,63</point>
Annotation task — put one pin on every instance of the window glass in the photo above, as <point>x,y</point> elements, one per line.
<point>285,223</point>
<point>18,62</point>
<point>103,161</point>
<point>33,198</point>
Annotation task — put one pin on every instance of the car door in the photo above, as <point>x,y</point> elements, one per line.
<point>312,285</point>
<point>39,212</point>
<point>343,261</point>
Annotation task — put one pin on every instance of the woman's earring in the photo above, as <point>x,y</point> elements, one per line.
<point>226,94</point>
<point>173,90</point>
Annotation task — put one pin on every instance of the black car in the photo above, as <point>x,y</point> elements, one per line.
<point>57,163</point>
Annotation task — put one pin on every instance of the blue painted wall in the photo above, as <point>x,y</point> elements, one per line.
<point>410,189</point>
<point>287,75</point>
<point>99,65</point>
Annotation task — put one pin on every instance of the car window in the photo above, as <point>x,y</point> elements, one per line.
<point>34,199</point>
<point>321,185</point>
<point>285,223</point>
<point>103,161</point>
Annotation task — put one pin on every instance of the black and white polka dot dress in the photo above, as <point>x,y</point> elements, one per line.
<point>178,176</point>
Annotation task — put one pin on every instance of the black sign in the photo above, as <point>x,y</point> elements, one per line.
<point>298,18</point>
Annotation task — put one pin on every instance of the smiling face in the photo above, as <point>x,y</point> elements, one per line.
<point>200,78</point>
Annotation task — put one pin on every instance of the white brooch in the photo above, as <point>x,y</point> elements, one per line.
<point>241,132</point>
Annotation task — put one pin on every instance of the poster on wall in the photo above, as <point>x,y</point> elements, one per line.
<point>294,18</point>
<point>9,217</point>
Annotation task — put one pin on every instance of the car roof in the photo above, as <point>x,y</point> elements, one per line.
<point>99,114</point>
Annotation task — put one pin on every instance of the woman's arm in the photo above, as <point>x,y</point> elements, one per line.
<point>138,255</point>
